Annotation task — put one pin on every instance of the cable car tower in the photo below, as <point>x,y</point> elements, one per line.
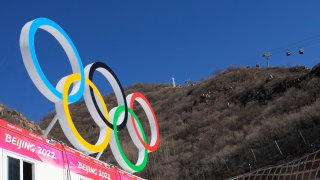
<point>267,55</point>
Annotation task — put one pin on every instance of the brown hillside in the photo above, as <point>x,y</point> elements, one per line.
<point>19,119</point>
<point>208,128</point>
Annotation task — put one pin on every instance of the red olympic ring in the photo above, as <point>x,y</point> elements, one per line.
<point>154,143</point>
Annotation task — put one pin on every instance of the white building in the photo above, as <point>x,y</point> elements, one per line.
<point>27,156</point>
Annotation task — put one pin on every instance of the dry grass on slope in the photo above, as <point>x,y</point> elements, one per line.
<point>218,118</point>
<point>19,119</point>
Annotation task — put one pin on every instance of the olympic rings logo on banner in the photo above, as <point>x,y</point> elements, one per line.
<point>109,122</point>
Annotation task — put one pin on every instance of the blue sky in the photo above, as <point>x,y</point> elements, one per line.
<point>151,41</point>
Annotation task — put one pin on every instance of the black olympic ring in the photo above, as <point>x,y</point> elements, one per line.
<point>93,68</point>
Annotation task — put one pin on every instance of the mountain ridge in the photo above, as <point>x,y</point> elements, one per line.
<point>207,128</point>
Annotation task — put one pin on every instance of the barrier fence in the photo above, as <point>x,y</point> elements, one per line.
<point>307,167</point>
<point>285,149</point>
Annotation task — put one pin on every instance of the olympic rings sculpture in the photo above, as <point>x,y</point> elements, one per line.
<point>109,122</point>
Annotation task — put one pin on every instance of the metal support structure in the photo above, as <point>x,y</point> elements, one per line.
<point>304,140</point>
<point>253,154</point>
<point>173,82</point>
<point>278,147</point>
<point>203,175</point>
<point>267,55</point>
<point>225,162</point>
<point>99,154</point>
<point>50,126</point>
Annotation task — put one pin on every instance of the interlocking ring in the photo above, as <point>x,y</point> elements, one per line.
<point>133,130</point>
<point>116,86</point>
<point>81,79</point>
<point>116,148</point>
<point>31,61</point>
<point>62,108</point>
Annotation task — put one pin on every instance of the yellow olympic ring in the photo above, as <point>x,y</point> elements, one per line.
<point>95,148</point>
